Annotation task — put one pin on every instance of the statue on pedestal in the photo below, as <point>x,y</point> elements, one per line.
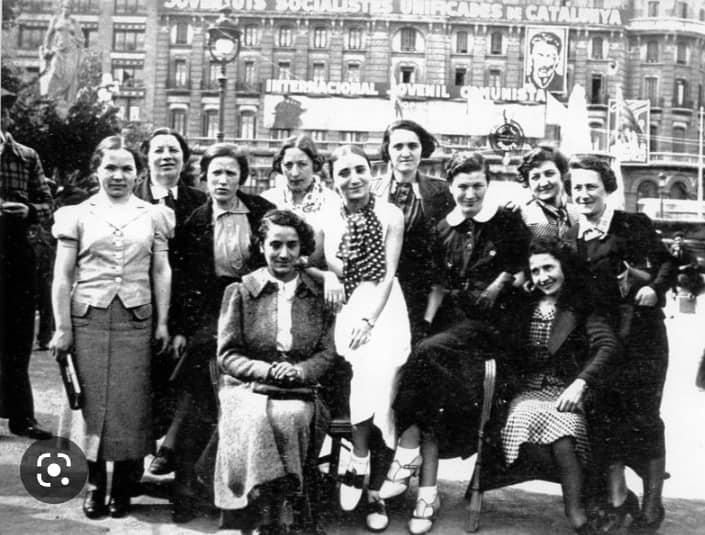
<point>61,57</point>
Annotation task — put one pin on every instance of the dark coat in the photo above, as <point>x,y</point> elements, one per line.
<point>247,330</point>
<point>197,290</point>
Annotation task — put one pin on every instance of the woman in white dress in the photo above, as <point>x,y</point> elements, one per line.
<point>362,243</point>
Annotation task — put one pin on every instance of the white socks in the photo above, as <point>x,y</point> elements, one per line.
<point>406,455</point>
<point>428,494</point>
<point>361,465</point>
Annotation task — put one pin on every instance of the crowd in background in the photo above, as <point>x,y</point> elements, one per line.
<point>208,320</point>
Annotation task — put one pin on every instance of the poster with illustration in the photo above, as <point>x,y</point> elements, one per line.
<point>628,126</point>
<point>546,58</point>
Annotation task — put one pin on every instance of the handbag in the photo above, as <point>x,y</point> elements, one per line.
<point>69,377</point>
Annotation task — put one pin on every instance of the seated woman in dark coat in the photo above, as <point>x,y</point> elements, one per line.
<point>274,330</point>
<point>477,248</point>
<point>565,348</point>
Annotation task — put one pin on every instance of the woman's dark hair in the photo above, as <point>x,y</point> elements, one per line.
<point>537,156</point>
<point>305,144</point>
<point>286,218</point>
<point>466,162</point>
<point>114,143</point>
<point>342,151</point>
<point>164,131</point>
<point>575,288</point>
<point>229,150</point>
<point>591,162</point>
<point>427,140</point>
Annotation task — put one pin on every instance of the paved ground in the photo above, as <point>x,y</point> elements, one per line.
<point>532,508</point>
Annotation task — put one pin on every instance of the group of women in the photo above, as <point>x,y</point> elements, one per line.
<point>413,280</point>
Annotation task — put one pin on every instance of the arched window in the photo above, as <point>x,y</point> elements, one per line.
<point>647,190</point>
<point>678,191</point>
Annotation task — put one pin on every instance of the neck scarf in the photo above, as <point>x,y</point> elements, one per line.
<point>362,248</point>
<point>402,195</point>
<point>312,200</point>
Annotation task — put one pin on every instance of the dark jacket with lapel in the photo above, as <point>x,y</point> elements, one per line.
<point>198,291</point>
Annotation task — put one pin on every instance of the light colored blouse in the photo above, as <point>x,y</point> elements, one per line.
<point>114,246</point>
<point>231,239</point>
<point>285,298</point>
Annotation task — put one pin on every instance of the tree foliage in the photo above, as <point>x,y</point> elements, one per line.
<point>64,143</point>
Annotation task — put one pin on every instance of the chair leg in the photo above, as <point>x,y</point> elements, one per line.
<point>473,518</point>
<point>333,464</point>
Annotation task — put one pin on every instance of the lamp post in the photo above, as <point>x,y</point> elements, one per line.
<point>224,47</point>
<point>662,179</point>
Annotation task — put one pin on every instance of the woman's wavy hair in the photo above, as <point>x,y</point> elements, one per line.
<point>185,150</point>
<point>590,162</point>
<point>287,218</point>
<point>536,157</point>
<point>466,162</point>
<point>229,150</point>
<point>304,143</point>
<point>114,143</point>
<point>342,151</point>
<point>427,140</point>
<point>575,289</point>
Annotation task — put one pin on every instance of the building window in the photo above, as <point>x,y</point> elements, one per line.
<point>180,76</point>
<point>681,53</point>
<point>702,15</point>
<point>180,34</point>
<point>284,70</point>
<point>647,190</point>
<point>461,42</point>
<point>408,40</point>
<point>352,137</point>
<point>177,120</point>
<point>353,72</point>
<point>460,74</point>
<point>128,76</point>
<point>247,125</point>
<point>496,43</point>
<point>286,36</point>
<point>678,139</point>
<point>30,38</point>
<point>652,9</point>
<point>494,78</point>
<point>127,109</point>
<point>653,138</point>
<point>249,35</point>
<point>281,133</point>
<point>90,37</point>
<point>651,89</point>
<point>597,44</point>
<point>128,40</point>
<point>680,92</point>
<point>209,126</point>
<point>84,6</point>
<point>319,72</point>
<point>683,10</point>
<point>128,7</point>
<point>320,37</point>
<point>318,135</point>
<point>652,51</point>
<point>407,75</point>
<point>210,76</point>
<point>355,38</point>
<point>249,72</point>
<point>596,89</point>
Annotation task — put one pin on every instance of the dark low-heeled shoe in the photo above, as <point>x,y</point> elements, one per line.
<point>643,526</point>
<point>119,506</point>
<point>163,462</point>
<point>616,516</point>
<point>184,509</point>
<point>94,504</point>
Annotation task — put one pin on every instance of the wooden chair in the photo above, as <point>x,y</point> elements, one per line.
<point>490,472</point>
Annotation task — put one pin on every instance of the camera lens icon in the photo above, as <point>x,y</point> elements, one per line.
<point>54,470</point>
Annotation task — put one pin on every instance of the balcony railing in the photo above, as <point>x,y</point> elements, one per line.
<point>668,157</point>
<point>656,102</point>
<point>248,87</point>
<point>598,99</point>
<point>683,105</point>
<point>173,83</point>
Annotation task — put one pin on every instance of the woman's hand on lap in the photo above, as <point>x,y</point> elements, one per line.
<point>571,396</point>
<point>360,334</point>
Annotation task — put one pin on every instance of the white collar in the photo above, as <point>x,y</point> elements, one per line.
<point>599,229</point>
<point>288,288</point>
<point>487,212</point>
<point>159,191</point>
<point>238,207</point>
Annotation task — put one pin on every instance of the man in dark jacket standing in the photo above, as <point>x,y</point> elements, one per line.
<point>25,199</point>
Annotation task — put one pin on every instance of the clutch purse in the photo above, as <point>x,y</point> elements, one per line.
<point>69,376</point>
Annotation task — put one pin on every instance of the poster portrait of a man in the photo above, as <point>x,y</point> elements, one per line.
<point>545,62</point>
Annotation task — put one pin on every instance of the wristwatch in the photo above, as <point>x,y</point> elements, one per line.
<point>369,322</point>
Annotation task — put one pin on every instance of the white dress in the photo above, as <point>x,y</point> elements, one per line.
<point>376,364</point>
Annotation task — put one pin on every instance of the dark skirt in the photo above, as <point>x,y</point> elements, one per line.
<point>441,386</point>
<point>632,429</point>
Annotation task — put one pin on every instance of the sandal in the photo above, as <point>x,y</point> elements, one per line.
<point>397,481</point>
<point>423,516</point>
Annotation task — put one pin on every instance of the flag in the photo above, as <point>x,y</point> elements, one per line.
<point>556,112</point>
<point>395,96</point>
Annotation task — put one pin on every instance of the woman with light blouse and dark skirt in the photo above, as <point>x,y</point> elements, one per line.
<point>477,249</point>
<point>111,276</point>
<point>630,270</point>
<point>214,250</point>
<point>275,335</point>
